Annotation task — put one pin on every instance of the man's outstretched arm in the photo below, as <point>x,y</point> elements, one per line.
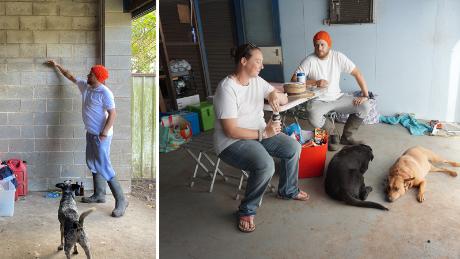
<point>63,71</point>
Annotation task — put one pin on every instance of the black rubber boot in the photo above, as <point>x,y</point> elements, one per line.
<point>350,128</point>
<point>121,203</point>
<point>333,140</point>
<point>333,143</point>
<point>99,190</point>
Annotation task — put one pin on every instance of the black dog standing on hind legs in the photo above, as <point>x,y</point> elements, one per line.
<point>345,176</point>
<point>72,231</point>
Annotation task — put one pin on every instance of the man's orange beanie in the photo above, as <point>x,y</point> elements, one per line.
<point>100,72</point>
<point>322,35</point>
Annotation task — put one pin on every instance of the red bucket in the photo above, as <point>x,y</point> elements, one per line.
<point>312,160</point>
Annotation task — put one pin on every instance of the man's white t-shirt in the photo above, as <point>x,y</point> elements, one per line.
<point>244,103</point>
<point>95,103</point>
<point>328,69</point>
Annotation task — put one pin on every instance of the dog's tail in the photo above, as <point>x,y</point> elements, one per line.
<point>84,214</point>
<point>350,200</point>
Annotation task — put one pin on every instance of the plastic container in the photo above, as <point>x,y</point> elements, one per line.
<point>312,161</point>
<point>7,193</point>
<point>19,169</point>
<point>206,112</point>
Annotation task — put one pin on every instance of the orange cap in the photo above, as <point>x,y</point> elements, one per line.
<point>100,72</point>
<point>323,35</point>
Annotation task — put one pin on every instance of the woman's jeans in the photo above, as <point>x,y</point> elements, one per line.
<point>256,158</point>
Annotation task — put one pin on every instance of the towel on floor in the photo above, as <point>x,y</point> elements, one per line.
<point>408,121</point>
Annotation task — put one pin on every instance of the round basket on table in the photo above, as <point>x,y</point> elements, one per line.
<point>294,88</point>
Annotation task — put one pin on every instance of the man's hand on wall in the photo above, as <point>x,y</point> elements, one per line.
<point>51,62</point>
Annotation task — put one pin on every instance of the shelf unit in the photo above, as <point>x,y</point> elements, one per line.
<point>166,78</point>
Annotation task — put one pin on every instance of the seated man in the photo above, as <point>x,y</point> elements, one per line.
<point>322,69</point>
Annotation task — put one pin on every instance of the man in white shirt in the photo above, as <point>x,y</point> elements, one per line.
<point>322,69</point>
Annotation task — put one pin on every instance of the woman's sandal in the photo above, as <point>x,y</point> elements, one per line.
<point>249,227</point>
<point>301,196</point>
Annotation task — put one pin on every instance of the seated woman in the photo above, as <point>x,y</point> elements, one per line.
<point>243,140</point>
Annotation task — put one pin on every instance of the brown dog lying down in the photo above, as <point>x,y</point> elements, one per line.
<point>410,171</point>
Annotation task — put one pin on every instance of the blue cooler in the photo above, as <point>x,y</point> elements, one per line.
<point>192,117</point>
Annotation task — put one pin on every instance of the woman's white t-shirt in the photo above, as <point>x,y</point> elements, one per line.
<point>327,69</point>
<point>244,103</point>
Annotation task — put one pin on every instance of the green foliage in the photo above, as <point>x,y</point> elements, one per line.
<point>143,45</point>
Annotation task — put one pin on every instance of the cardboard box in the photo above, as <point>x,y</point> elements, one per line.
<point>183,102</point>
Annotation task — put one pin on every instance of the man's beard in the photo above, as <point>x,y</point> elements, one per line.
<point>323,55</point>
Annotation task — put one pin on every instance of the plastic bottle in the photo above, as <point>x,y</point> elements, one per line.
<point>193,35</point>
<point>276,117</point>
<point>82,189</point>
<point>301,77</point>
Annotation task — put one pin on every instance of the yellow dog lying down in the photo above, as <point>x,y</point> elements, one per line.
<point>410,171</point>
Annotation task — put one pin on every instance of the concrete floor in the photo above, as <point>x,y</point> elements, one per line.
<point>198,224</point>
<point>33,231</point>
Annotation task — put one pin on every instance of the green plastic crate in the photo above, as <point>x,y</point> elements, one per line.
<point>206,112</point>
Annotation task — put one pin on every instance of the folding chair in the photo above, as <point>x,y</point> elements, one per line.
<point>203,146</point>
<point>216,170</point>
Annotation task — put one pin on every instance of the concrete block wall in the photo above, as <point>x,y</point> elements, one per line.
<point>117,58</point>
<point>40,111</point>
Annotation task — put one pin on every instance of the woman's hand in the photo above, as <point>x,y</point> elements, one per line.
<point>274,100</point>
<point>322,83</point>
<point>360,100</point>
<point>272,128</point>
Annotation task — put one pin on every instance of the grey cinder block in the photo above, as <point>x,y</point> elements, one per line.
<point>9,22</point>
<point>21,145</point>
<point>32,23</point>
<point>44,9</point>
<point>20,118</point>
<point>18,8</point>
<point>60,131</point>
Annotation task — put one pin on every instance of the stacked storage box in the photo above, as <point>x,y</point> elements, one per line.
<point>206,112</point>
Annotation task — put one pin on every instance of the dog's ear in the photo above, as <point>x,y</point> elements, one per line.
<point>367,147</point>
<point>60,186</point>
<point>75,186</point>
<point>409,179</point>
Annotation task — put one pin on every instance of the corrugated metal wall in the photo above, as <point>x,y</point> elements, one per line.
<point>143,126</point>
<point>218,30</point>
<point>219,36</point>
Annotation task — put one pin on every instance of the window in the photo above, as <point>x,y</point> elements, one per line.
<point>350,11</point>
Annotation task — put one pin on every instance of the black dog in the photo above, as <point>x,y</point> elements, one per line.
<point>344,179</point>
<point>71,225</point>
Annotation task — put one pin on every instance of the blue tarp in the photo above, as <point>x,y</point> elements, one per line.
<point>408,121</point>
